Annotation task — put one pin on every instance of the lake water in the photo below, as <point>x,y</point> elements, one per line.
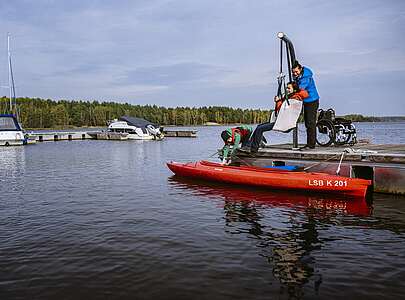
<point>107,220</point>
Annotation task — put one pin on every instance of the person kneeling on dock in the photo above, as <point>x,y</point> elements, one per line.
<point>293,92</point>
<point>233,139</point>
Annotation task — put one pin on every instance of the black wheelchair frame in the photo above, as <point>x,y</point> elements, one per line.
<point>332,130</point>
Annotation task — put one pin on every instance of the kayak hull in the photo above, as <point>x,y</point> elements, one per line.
<point>271,178</point>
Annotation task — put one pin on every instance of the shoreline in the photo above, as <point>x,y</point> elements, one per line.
<point>199,125</point>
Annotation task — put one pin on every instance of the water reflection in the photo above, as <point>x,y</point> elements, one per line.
<point>321,204</point>
<point>12,166</point>
<point>284,225</point>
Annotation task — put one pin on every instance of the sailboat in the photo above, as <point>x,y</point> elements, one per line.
<point>11,132</point>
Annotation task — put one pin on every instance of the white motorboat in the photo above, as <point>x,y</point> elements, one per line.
<point>11,133</point>
<point>136,128</point>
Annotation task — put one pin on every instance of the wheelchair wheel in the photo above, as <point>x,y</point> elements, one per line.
<point>325,133</point>
<point>343,135</point>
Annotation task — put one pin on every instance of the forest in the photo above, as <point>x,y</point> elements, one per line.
<point>47,113</point>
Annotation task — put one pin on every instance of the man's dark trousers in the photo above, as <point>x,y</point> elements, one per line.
<point>257,135</point>
<point>310,114</point>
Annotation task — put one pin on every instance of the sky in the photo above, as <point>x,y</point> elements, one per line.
<point>205,52</point>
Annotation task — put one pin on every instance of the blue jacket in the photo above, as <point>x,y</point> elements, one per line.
<point>306,82</point>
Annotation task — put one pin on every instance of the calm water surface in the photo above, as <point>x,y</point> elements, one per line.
<point>107,220</point>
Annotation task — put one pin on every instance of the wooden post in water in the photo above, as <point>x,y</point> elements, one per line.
<point>295,138</point>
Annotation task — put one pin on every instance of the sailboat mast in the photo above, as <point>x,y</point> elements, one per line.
<point>13,108</point>
<point>9,72</point>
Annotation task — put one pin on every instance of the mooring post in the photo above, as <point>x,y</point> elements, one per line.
<point>295,138</point>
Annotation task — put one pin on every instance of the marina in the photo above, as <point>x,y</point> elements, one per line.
<point>383,164</point>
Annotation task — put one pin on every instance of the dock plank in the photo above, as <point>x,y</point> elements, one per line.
<point>394,153</point>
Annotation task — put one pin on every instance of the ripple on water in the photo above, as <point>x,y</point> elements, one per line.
<point>99,219</point>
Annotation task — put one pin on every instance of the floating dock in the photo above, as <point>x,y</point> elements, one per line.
<point>97,135</point>
<point>383,164</point>
<point>180,133</point>
<point>59,136</point>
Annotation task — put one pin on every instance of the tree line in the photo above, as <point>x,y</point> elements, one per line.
<point>47,113</point>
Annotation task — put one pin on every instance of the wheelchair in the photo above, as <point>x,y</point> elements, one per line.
<point>332,130</point>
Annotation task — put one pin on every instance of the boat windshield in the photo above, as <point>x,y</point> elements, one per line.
<point>7,123</point>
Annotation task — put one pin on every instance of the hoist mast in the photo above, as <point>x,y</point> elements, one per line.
<point>290,57</point>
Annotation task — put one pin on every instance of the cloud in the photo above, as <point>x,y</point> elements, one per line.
<point>175,74</point>
<point>175,52</point>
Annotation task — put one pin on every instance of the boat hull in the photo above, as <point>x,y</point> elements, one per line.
<point>270,178</point>
<point>132,136</point>
<point>12,138</point>
<point>11,133</point>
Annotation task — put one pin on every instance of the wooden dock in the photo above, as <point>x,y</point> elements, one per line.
<point>383,164</point>
<point>98,135</point>
<point>180,133</point>
<point>59,136</point>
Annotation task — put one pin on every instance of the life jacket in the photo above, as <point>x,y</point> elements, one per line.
<point>244,133</point>
<point>300,95</point>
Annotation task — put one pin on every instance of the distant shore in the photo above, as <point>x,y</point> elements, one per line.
<point>381,120</point>
<point>41,114</point>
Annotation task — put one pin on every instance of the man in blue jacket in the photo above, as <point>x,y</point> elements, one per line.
<point>303,76</point>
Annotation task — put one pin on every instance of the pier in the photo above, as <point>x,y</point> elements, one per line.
<point>180,133</point>
<point>383,164</point>
<point>98,135</point>
<point>58,136</point>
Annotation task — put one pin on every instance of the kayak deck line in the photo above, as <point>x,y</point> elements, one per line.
<point>268,178</point>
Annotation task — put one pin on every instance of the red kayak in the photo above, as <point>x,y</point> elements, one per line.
<point>272,178</point>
